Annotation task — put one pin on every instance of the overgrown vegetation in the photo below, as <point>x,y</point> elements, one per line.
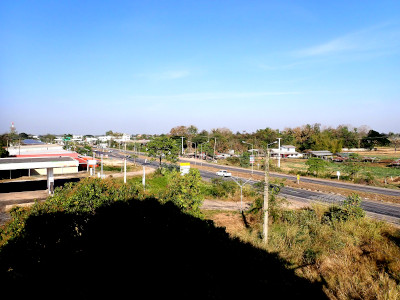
<point>98,237</point>
<point>353,256</point>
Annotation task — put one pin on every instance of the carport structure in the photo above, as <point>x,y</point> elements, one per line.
<point>48,163</point>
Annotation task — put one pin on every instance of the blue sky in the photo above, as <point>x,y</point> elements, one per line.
<point>86,67</point>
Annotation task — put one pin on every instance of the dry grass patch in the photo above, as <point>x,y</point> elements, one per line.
<point>357,259</point>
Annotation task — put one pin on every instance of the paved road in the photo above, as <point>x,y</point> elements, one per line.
<point>338,184</point>
<point>381,210</point>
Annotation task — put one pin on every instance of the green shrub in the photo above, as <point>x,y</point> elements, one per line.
<point>185,191</point>
<point>349,209</point>
<point>316,165</point>
<point>220,188</point>
<point>233,160</point>
<point>81,198</point>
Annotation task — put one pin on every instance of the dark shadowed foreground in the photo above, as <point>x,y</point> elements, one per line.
<point>141,249</point>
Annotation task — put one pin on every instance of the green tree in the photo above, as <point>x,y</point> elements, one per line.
<point>163,147</point>
<point>185,191</point>
<point>348,137</point>
<point>316,165</point>
<point>4,152</point>
<point>374,139</point>
<point>245,159</point>
<point>3,145</point>
<point>48,138</point>
<point>85,150</point>
<point>23,136</point>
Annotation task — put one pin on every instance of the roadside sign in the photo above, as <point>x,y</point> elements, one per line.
<point>252,159</point>
<point>184,168</point>
<point>91,162</point>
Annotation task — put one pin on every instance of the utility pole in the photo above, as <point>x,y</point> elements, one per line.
<point>279,151</point>
<point>182,137</point>
<point>215,143</point>
<point>125,170</point>
<point>266,196</point>
<point>266,186</point>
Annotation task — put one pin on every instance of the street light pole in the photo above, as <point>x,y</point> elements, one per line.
<point>266,196</point>
<point>195,151</point>
<point>201,147</point>
<point>241,189</point>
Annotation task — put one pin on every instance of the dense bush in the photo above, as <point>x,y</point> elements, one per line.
<point>185,191</point>
<point>316,165</point>
<point>81,198</point>
<point>349,209</point>
<point>220,188</point>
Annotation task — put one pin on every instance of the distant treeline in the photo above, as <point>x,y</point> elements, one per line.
<point>306,137</point>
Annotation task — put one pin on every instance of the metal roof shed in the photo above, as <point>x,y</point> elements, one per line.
<point>321,154</point>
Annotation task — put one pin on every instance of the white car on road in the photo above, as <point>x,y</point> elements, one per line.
<point>224,173</point>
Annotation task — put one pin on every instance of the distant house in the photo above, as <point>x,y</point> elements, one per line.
<point>286,151</point>
<point>222,155</point>
<point>91,140</point>
<point>105,138</point>
<point>123,138</point>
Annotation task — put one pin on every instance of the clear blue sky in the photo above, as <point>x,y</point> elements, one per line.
<point>86,67</point>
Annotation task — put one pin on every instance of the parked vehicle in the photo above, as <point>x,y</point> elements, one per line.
<point>224,173</point>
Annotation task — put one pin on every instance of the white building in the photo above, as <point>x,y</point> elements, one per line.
<point>124,138</point>
<point>91,140</point>
<point>286,151</point>
<point>105,138</point>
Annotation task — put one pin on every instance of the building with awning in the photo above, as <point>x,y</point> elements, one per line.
<point>43,150</point>
<point>49,164</point>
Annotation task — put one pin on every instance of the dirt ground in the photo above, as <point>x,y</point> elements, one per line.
<point>381,151</point>
<point>227,213</point>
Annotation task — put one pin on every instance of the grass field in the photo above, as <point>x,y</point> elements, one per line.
<point>356,259</point>
<point>374,173</point>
